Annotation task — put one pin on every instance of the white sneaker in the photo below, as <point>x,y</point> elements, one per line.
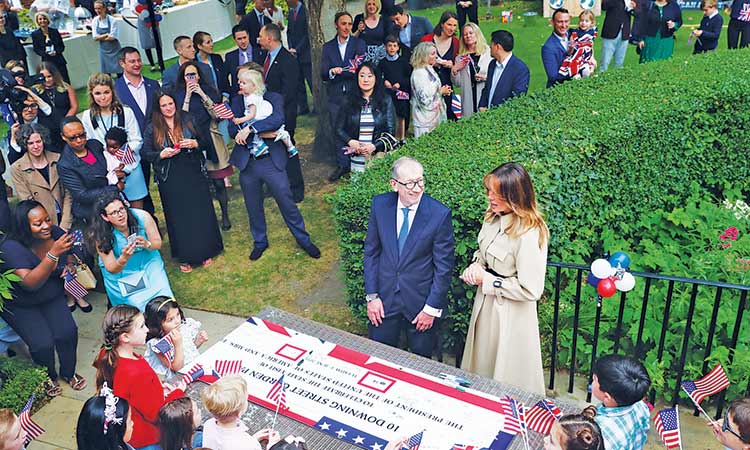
<point>281,134</point>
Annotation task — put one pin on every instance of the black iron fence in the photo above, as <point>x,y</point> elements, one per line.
<point>679,321</point>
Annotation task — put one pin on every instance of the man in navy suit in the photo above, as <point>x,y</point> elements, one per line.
<point>409,258</point>
<point>269,168</point>
<point>507,75</point>
<point>137,92</point>
<point>556,47</point>
<point>337,54</point>
<point>253,22</point>
<point>298,37</point>
<point>243,54</point>
<point>183,45</point>
<point>411,29</point>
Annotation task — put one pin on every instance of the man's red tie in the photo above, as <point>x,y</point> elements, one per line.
<point>266,65</point>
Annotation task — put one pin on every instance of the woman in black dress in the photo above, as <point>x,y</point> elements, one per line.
<point>49,45</point>
<point>10,47</point>
<point>60,96</point>
<point>172,145</point>
<point>447,48</point>
<point>396,72</point>
<point>372,28</point>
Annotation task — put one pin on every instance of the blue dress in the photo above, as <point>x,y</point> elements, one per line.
<point>143,277</point>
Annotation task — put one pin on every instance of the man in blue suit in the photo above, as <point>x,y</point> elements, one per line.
<point>411,29</point>
<point>507,75</point>
<point>183,45</point>
<point>298,36</point>
<point>137,92</point>
<point>337,54</point>
<point>556,47</point>
<point>269,167</point>
<point>409,258</point>
<point>243,54</point>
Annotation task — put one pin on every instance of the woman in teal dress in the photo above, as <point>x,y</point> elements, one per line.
<point>656,23</point>
<point>128,242</point>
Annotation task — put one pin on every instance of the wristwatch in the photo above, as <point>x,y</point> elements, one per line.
<point>371,297</point>
<point>498,283</point>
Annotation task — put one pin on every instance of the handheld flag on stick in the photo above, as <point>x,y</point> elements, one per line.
<point>354,63</point>
<point>456,105</point>
<point>193,374</point>
<point>227,366</point>
<point>31,428</point>
<point>223,111</point>
<point>542,416</point>
<point>277,394</point>
<point>74,287</point>
<point>414,442</point>
<point>713,382</point>
<point>515,419</point>
<point>125,154</point>
<point>667,423</point>
<point>402,95</point>
<point>164,346</point>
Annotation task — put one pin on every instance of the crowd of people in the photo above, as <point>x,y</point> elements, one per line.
<point>85,192</point>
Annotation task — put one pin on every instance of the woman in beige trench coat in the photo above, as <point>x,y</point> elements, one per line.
<point>509,268</point>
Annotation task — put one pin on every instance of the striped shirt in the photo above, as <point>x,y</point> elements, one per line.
<point>624,427</point>
<point>366,129</point>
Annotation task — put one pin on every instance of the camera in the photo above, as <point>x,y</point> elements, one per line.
<point>12,96</point>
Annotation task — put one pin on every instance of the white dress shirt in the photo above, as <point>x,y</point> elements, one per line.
<point>499,68</point>
<point>138,91</point>
<point>342,52</point>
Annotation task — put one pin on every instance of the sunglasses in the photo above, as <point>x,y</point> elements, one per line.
<point>725,426</point>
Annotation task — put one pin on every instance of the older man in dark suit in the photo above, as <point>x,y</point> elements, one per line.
<point>507,76</point>
<point>338,57</point>
<point>408,261</point>
<point>281,72</point>
<point>266,167</point>
<point>556,47</point>
<point>411,29</point>
<point>298,37</point>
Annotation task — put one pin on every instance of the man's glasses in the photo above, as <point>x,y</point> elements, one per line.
<point>30,107</point>
<point>411,184</point>
<point>725,426</point>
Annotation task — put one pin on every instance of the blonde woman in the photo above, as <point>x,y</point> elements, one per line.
<point>49,45</point>
<point>427,106</point>
<point>469,71</point>
<point>508,269</point>
<point>372,28</point>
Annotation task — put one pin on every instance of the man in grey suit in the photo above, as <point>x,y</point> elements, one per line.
<point>411,29</point>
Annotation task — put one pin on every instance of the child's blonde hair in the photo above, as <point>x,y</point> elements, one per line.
<point>7,420</point>
<point>254,77</point>
<point>226,398</point>
<point>589,14</point>
<point>708,4</point>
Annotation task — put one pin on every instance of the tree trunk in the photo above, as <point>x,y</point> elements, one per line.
<point>322,28</point>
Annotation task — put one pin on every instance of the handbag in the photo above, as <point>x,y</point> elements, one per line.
<point>84,275</point>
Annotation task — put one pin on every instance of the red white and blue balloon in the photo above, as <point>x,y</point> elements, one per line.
<point>610,276</point>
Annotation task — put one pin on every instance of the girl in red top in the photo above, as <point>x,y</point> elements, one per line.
<point>130,375</point>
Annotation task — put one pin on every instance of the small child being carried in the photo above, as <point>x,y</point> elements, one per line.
<point>580,62</point>
<point>120,158</point>
<point>252,88</point>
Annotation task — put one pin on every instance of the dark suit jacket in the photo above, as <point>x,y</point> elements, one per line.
<point>649,21</point>
<point>283,78</point>
<point>298,35</point>
<point>514,81</point>
<point>220,70</point>
<point>37,39</point>
<point>709,40</point>
<point>419,27</point>
<point>232,62</point>
<point>240,6</point>
<point>241,155</point>
<point>123,93</point>
<point>250,21</point>
<point>338,87</point>
<point>553,54</point>
<point>422,273</point>
<point>169,76</point>
<point>617,18</point>
<point>86,183</point>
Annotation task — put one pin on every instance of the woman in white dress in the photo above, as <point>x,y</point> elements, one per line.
<point>427,106</point>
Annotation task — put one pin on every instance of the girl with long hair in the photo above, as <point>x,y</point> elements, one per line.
<point>178,421</point>
<point>509,266</point>
<point>105,423</point>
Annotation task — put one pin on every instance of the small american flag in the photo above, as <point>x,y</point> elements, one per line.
<point>515,417</point>
<point>223,111</point>
<point>27,424</point>
<point>227,366</point>
<point>542,416</point>
<point>714,381</point>
<point>74,287</point>
<point>744,13</point>
<point>464,447</point>
<point>456,105</point>
<point>466,59</point>
<point>667,422</point>
<point>165,347</point>
<point>125,154</point>
<point>414,442</point>
<point>401,95</point>
<point>277,393</point>
<point>354,63</point>
<point>193,374</point>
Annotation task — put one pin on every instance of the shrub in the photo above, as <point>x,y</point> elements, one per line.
<point>20,379</point>
<point>602,153</point>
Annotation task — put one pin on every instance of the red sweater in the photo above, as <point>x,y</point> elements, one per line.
<point>136,382</point>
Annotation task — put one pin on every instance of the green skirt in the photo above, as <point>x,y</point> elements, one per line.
<point>656,48</point>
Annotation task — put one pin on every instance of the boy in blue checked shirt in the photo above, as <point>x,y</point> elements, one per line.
<point>620,383</point>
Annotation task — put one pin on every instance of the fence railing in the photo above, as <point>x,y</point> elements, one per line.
<point>668,300</point>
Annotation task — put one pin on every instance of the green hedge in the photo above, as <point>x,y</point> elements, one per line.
<point>602,152</point>
<point>20,379</point>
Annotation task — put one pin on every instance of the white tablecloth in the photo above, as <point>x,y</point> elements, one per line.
<point>82,53</point>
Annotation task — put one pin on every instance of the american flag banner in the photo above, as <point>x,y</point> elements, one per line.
<point>193,374</point>
<point>402,95</point>
<point>542,416</point>
<point>744,13</point>
<point>354,63</point>
<point>414,442</point>
<point>667,423</point>
<point>74,287</point>
<point>714,381</point>
<point>277,393</point>
<point>456,105</point>
<point>227,366</point>
<point>31,428</point>
<point>165,347</point>
<point>223,111</point>
<point>126,155</point>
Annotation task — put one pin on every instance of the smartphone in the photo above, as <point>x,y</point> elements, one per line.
<point>131,238</point>
<point>77,237</point>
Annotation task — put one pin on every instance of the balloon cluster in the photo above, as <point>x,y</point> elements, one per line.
<point>611,276</point>
<point>142,10</point>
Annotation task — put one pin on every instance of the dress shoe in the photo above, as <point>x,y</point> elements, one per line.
<point>226,225</point>
<point>312,250</point>
<point>338,173</point>
<point>257,253</point>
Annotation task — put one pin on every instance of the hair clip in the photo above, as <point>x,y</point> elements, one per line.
<point>107,347</point>
<point>110,407</point>
<point>170,299</point>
